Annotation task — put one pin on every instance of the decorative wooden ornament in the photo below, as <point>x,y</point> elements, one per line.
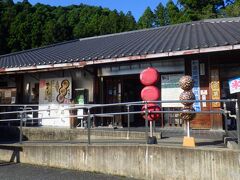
<point>186,83</point>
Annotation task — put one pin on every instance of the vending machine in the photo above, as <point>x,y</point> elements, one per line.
<point>81,98</point>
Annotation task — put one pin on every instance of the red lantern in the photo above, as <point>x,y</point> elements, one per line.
<point>151,108</point>
<point>150,93</point>
<point>149,76</point>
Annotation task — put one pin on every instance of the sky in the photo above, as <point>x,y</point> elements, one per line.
<point>137,7</point>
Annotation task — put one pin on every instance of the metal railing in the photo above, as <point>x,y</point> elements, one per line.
<point>23,118</point>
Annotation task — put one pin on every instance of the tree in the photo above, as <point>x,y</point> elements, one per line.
<point>129,22</point>
<point>233,9</point>
<point>172,13</point>
<point>7,14</point>
<point>50,31</point>
<point>147,19</point>
<point>201,9</point>
<point>23,26</point>
<point>160,15</point>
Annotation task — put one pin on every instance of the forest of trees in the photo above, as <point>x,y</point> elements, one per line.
<point>25,26</point>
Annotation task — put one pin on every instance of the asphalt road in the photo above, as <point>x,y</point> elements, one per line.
<point>12,171</point>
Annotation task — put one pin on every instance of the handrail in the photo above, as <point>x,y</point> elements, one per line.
<point>89,107</point>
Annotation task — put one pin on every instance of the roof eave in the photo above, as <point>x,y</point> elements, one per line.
<point>81,64</point>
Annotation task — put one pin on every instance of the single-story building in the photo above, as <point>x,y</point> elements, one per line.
<point>105,69</point>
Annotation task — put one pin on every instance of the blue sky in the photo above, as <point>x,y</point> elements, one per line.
<point>137,7</point>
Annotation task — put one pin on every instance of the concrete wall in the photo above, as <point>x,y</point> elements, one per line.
<point>40,134</point>
<point>138,161</point>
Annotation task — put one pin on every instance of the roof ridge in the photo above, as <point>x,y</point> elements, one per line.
<point>235,19</point>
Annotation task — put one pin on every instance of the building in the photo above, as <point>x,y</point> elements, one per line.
<point>108,66</point>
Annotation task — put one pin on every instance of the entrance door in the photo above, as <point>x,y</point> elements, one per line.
<point>113,94</point>
<point>132,93</point>
<point>119,89</point>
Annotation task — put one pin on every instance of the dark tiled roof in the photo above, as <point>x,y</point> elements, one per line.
<point>174,38</point>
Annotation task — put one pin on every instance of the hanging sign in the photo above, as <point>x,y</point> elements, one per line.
<point>234,85</point>
<point>215,87</point>
<point>196,87</point>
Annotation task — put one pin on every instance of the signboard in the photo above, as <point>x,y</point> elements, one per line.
<point>196,87</point>
<point>8,95</point>
<point>234,85</point>
<point>54,95</point>
<point>55,91</point>
<point>170,89</point>
<point>215,87</point>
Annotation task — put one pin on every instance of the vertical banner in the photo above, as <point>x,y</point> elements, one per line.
<point>215,87</point>
<point>196,87</point>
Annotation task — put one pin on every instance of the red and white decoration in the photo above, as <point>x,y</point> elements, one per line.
<point>149,77</point>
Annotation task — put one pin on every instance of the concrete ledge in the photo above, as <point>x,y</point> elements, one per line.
<point>138,161</point>
<point>232,145</point>
<point>35,133</point>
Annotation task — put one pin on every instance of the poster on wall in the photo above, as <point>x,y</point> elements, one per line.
<point>54,96</point>
<point>234,85</point>
<point>170,89</point>
<point>196,87</point>
<point>8,95</point>
<point>55,91</point>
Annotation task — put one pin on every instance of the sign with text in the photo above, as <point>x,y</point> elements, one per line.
<point>234,85</point>
<point>54,95</point>
<point>215,87</point>
<point>170,89</point>
<point>196,87</point>
<point>55,91</point>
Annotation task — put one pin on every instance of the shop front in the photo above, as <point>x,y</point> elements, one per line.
<point>53,91</point>
<point>120,83</point>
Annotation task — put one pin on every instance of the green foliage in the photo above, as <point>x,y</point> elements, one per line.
<point>173,13</point>
<point>160,15</point>
<point>233,9</point>
<point>147,19</point>
<point>201,9</point>
<point>23,26</point>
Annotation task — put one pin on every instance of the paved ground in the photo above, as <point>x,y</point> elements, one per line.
<point>12,171</point>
